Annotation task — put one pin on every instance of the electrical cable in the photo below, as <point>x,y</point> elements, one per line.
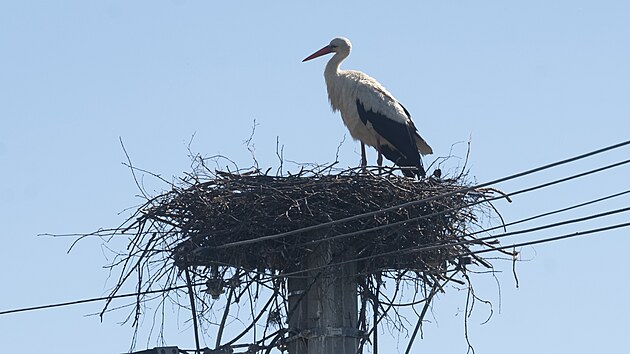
<point>95,299</point>
<point>437,246</point>
<point>553,212</point>
<point>551,239</point>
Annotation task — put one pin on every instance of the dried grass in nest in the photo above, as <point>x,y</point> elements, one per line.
<point>221,220</point>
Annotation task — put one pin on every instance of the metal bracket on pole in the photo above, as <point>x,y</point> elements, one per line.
<point>296,292</point>
<point>326,332</point>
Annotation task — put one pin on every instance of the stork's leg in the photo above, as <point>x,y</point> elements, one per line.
<point>379,160</point>
<point>363,159</point>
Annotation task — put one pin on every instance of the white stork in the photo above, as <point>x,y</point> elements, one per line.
<point>372,115</point>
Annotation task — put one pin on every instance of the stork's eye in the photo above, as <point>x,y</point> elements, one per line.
<point>333,47</point>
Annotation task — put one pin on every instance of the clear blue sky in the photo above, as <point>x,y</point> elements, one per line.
<point>527,83</point>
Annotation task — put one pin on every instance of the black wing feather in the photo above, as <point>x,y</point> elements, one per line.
<point>404,152</point>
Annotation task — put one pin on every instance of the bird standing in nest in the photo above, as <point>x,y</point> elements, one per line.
<point>371,114</point>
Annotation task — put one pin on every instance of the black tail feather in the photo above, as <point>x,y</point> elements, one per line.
<point>396,157</point>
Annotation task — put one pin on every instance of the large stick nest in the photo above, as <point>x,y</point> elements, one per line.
<point>246,231</point>
<point>255,221</point>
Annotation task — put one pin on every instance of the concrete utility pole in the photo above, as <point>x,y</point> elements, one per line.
<point>323,305</point>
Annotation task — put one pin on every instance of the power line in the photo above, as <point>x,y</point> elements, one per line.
<point>557,211</point>
<point>578,175</point>
<point>551,239</point>
<point>95,299</point>
<point>437,246</point>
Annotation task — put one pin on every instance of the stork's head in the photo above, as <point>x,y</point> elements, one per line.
<point>339,45</point>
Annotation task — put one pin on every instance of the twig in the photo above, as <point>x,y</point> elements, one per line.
<point>421,317</point>
<point>250,147</point>
<point>224,318</point>
<point>130,165</point>
<point>280,155</point>
<point>192,309</point>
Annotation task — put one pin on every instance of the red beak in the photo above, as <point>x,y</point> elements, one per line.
<point>319,53</point>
